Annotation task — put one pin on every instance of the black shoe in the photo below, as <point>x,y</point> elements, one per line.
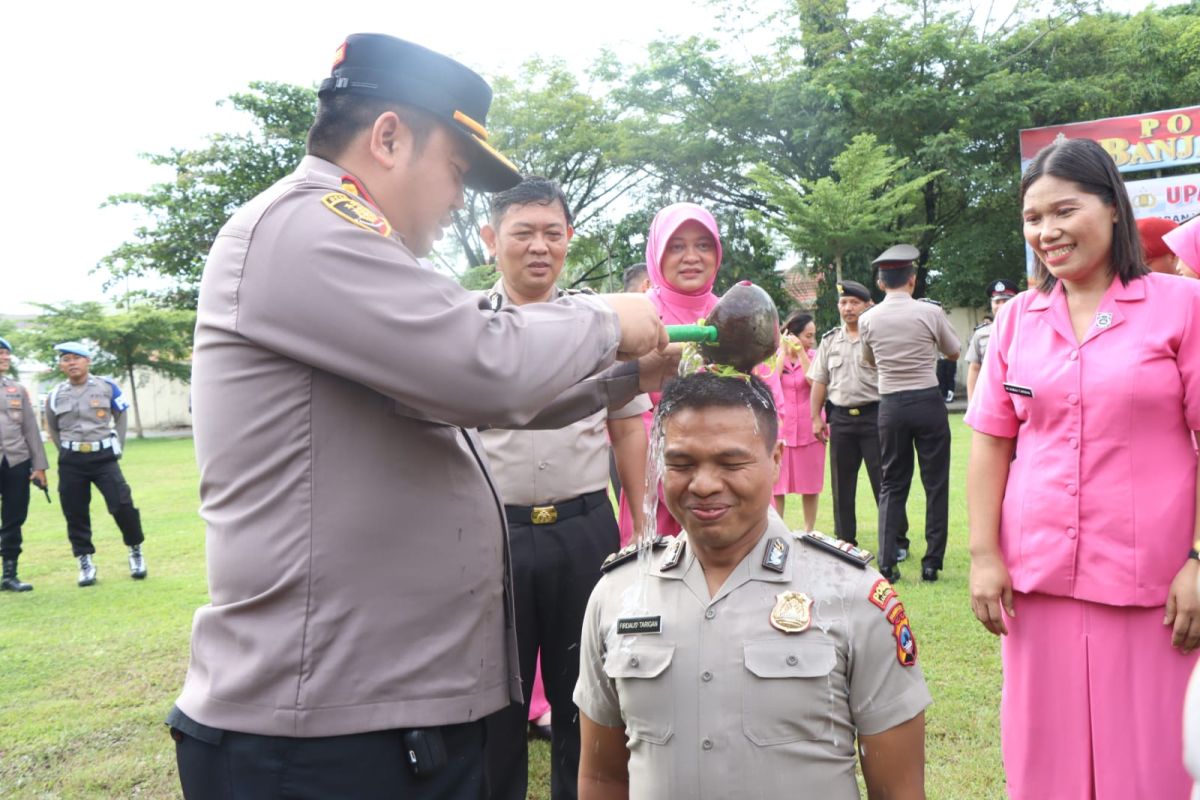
<point>929,574</point>
<point>901,554</point>
<point>891,573</point>
<point>10,582</point>
<point>87,570</point>
<point>542,732</point>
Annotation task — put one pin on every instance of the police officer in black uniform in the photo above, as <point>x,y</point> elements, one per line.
<point>85,416</point>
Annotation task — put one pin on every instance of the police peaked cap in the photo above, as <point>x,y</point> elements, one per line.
<point>1002,288</point>
<point>76,348</point>
<point>376,65</point>
<point>854,289</point>
<point>897,256</point>
<point>4,345</point>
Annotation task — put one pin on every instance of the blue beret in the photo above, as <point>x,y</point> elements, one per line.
<point>78,348</point>
<point>5,345</point>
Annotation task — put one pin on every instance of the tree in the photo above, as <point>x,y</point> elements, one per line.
<point>865,206</point>
<point>210,183</point>
<point>141,337</point>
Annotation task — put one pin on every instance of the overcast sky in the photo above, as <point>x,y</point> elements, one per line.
<point>90,86</point>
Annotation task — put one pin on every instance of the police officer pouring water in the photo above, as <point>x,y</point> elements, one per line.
<point>85,417</point>
<point>22,460</point>
<point>902,337</point>
<point>848,392</point>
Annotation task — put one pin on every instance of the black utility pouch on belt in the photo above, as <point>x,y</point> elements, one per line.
<point>424,750</point>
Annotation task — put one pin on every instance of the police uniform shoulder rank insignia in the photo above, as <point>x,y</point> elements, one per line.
<point>931,301</point>
<point>673,555</point>
<point>775,556</point>
<point>843,550</point>
<point>906,643</point>
<point>1104,319</point>
<point>882,593</point>
<point>830,332</point>
<point>627,553</point>
<point>792,612</point>
<point>357,212</point>
<point>982,325</point>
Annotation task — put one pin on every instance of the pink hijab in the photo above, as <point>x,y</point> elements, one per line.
<point>1184,242</point>
<point>675,307</point>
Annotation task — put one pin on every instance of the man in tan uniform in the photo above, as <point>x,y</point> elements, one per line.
<point>902,338</point>
<point>744,660</point>
<point>360,625</point>
<point>22,460</point>
<point>847,390</point>
<point>553,484</point>
<point>999,293</point>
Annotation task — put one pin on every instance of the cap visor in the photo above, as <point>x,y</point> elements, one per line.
<point>490,170</point>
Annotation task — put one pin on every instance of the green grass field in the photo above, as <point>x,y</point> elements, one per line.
<point>87,675</point>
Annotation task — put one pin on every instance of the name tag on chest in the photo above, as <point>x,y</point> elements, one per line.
<point>639,625</point>
<point>1016,388</point>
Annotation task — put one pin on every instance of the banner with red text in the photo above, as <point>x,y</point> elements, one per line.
<point>1176,198</point>
<point>1156,140</point>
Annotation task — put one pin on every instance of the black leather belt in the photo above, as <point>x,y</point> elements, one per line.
<point>556,512</point>
<point>854,411</point>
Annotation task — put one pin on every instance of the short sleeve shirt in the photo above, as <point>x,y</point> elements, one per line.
<point>839,365</point>
<point>718,699</point>
<point>85,413</point>
<point>902,337</point>
<point>1100,499</point>
<point>977,346</point>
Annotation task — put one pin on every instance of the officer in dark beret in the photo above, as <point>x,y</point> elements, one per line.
<point>361,625</point>
<point>902,337</point>
<point>999,292</point>
<point>847,390</point>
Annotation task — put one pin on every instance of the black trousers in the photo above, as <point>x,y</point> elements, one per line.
<point>947,370</point>
<point>853,439</point>
<point>907,420</point>
<point>14,504</point>
<point>555,568</point>
<point>76,474</point>
<point>224,765</point>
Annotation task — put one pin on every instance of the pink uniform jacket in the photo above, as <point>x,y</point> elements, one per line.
<point>1100,501</point>
<point>795,415</point>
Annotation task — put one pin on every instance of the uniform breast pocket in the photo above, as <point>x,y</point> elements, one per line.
<point>787,694</point>
<point>640,670</point>
<point>835,362</point>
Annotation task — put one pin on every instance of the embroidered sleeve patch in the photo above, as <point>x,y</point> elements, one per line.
<point>881,594</point>
<point>356,212</point>
<point>906,643</point>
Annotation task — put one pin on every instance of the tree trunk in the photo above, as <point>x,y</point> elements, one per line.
<point>837,267</point>
<point>137,413</point>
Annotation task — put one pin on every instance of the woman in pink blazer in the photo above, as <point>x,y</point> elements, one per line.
<point>802,470</point>
<point>1082,496</point>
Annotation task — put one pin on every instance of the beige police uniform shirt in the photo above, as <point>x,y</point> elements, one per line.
<point>977,346</point>
<point>839,365</point>
<point>356,543</point>
<point>19,437</point>
<point>541,467</point>
<point>902,337</point>
<point>92,412</point>
<point>717,702</point>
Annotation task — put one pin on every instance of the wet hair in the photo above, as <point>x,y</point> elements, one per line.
<point>532,189</point>
<point>341,117</point>
<point>634,275</point>
<point>796,322</point>
<point>895,278</point>
<point>708,390</point>
<point>1086,164</point>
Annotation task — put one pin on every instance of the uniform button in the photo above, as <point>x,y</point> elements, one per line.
<point>1070,533</point>
<point>633,661</point>
<point>1073,399</point>
<point>1074,356</point>
<point>1074,443</point>
<point>792,661</point>
<point>543,465</point>
<point>706,744</point>
<point>706,676</point>
<point>1071,490</point>
<point>709,614</point>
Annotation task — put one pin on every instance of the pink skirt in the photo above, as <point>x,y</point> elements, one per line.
<point>1092,704</point>
<point>802,470</point>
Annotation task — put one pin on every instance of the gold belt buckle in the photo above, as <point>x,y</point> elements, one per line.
<point>85,447</point>
<point>544,515</point>
<point>854,412</point>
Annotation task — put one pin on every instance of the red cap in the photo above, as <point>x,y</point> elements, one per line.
<point>1152,229</point>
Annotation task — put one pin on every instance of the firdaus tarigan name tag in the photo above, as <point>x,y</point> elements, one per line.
<point>639,625</point>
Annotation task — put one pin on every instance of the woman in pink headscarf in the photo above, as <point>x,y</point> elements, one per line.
<point>683,254</point>
<point>1184,242</point>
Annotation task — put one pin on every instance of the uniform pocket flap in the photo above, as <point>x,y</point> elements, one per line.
<point>641,660</point>
<point>791,658</point>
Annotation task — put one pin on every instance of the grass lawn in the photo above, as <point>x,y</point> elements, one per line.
<point>87,675</point>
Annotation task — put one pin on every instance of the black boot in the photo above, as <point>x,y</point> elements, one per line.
<point>10,582</point>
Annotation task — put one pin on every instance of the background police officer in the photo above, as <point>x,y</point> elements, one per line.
<point>848,391</point>
<point>902,337</point>
<point>85,417</point>
<point>999,293</point>
<point>22,459</point>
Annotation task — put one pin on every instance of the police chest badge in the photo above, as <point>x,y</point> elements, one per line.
<point>357,212</point>
<point>792,612</point>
